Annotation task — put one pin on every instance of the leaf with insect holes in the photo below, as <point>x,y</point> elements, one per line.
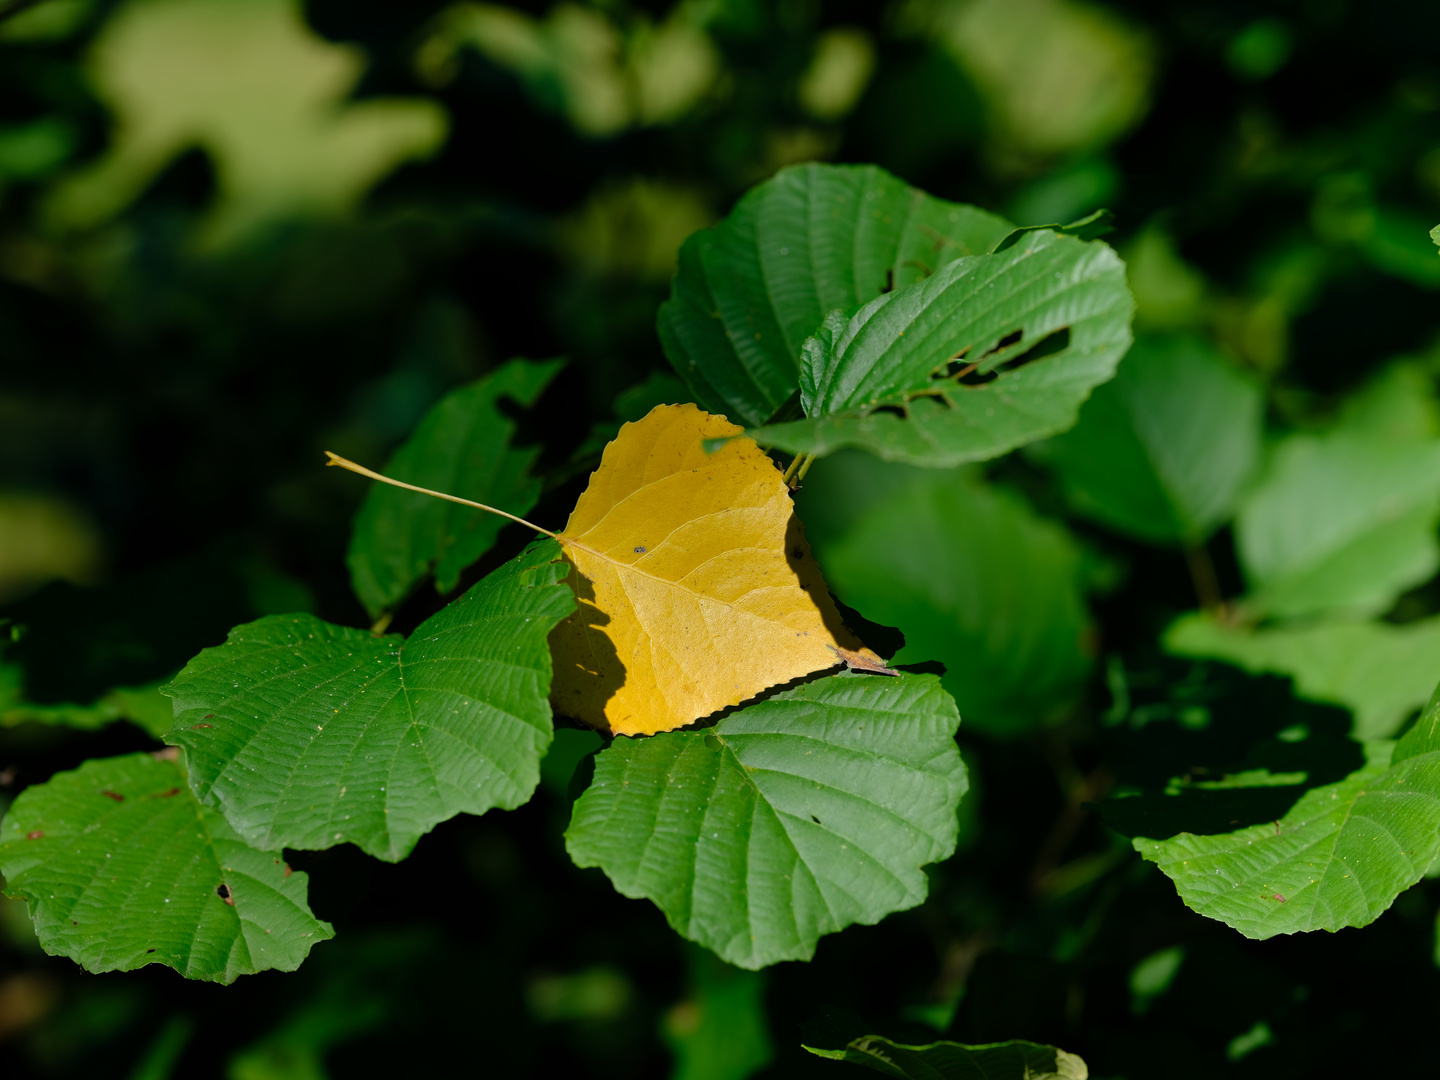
<point>1338,858</point>
<point>1013,1060</point>
<point>986,354</point>
<point>696,587</point>
<point>789,819</point>
<point>461,446</point>
<point>812,239</point>
<point>307,735</point>
<point>123,867</point>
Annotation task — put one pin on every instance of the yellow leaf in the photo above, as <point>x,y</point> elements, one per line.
<point>696,588</point>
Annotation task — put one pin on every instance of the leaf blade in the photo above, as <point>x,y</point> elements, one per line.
<point>722,828</point>
<point>78,847</point>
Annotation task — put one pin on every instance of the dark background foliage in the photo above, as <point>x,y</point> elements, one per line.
<point>167,401</point>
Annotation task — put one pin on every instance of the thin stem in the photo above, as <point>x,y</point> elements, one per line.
<point>794,464</point>
<point>809,460</point>
<point>336,459</point>
<point>1202,576</point>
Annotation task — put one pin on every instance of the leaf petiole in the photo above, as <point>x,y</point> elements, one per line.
<point>345,463</point>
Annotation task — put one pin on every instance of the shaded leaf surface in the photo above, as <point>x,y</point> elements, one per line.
<point>787,820</point>
<point>1381,672</point>
<point>462,446</point>
<point>306,734</point>
<point>1162,450</point>
<point>811,240</point>
<point>1013,1060</point>
<point>1050,317</point>
<point>978,581</point>
<point>1342,522</point>
<point>696,587</point>
<point>123,867</point>
<point>1338,858</point>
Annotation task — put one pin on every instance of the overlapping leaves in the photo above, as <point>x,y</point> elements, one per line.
<point>306,734</point>
<point>123,867</point>
<point>814,239</point>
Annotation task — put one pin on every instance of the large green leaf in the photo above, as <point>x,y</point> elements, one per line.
<point>461,447</point>
<point>1049,317</point>
<point>787,820</point>
<point>1162,450</point>
<point>1338,858</point>
<point>1013,1060</point>
<point>1380,672</point>
<point>975,579</point>
<point>1341,522</point>
<point>811,240</point>
<point>123,867</point>
<point>306,734</point>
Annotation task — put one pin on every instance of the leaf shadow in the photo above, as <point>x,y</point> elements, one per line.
<point>586,686</point>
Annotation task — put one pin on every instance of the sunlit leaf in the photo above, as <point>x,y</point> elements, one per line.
<point>696,587</point>
<point>1380,671</point>
<point>1338,858</point>
<point>307,735</point>
<point>122,867</point>
<point>1162,451</point>
<point>462,447</point>
<point>813,239</point>
<point>787,820</point>
<point>908,376</point>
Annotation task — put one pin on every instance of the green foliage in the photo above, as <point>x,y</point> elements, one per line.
<point>812,240</point>
<point>1164,449</point>
<point>306,734</point>
<point>718,1032</point>
<point>122,867</point>
<point>462,448</point>
<point>1340,523</point>
<point>1338,858</point>
<point>1014,1060</point>
<point>980,583</point>
<point>787,820</point>
<point>1049,318</point>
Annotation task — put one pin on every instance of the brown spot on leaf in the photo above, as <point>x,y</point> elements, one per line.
<point>36,835</point>
<point>166,794</point>
<point>113,795</point>
<point>197,727</point>
<point>224,893</point>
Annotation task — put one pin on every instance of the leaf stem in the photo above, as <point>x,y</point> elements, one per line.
<point>794,464</point>
<point>1202,576</point>
<point>809,460</point>
<point>344,463</point>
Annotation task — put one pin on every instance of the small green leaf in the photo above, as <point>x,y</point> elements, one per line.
<point>1162,451</point>
<point>1342,522</point>
<point>1380,672</point>
<point>144,706</point>
<point>811,239</point>
<point>719,1032</point>
<point>461,447</point>
<point>306,734</point>
<point>122,867</point>
<point>977,580</point>
<point>787,820</point>
<point>1090,227</point>
<point>1050,318</point>
<point>1338,858</point>
<point>1013,1060</point>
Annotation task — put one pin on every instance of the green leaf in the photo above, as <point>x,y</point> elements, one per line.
<point>812,239</point>
<point>1013,1060</point>
<point>1342,522</point>
<point>306,734</point>
<point>787,820</point>
<point>1090,227</point>
<point>122,867</point>
<point>975,579</point>
<point>1338,858</point>
<point>1050,318</point>
<point>1380,672</point>
<point>461,447</point>
<point>1162,451</point>
<point>145,706</point>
